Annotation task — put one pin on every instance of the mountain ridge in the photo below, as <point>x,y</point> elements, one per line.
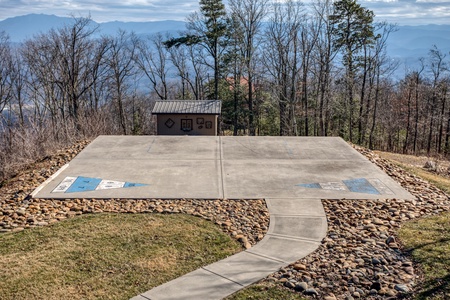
<point>24,27</point>
<point>407,44</point>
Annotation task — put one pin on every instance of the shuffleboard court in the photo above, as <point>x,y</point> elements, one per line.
<point>220,168</point>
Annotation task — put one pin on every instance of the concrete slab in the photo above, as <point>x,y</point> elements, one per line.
<point>245,268</point>
<point>227,167</point>
<point>303,227</point>
<point>164,179</point>
<point>199,284</point>
<point>289,206</point>
<point>108,148</point>
<point>282,179</point>
<point>295,148</point>
<point>287,250</point>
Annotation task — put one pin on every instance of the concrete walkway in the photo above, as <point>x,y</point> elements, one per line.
<point>292,174</point>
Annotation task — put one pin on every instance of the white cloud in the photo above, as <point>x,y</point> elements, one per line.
<point>411,12</point>
<point>102,10</point>
<point>434,1</point>
<point>396,11</point>
<point>382,1</point>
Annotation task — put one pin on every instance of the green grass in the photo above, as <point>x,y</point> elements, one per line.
<point>439,181</point>
<point>413,167</point>
<point>428,240</point>
<point>265,291</point>
<point>114,256</point>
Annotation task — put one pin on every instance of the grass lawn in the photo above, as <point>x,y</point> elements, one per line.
<point>413,165</point>
<point>107,256</point>
<point>427,239</point>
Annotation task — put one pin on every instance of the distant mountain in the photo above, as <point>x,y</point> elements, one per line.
<point>22,27</point>
<point>418,40</point>
<point>407,44</point>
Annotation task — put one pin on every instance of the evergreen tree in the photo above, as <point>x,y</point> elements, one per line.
<point>209,29</point>
<point>352,29</point>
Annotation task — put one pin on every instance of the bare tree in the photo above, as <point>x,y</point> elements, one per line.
<point>5,71</point>
<point>121,59</point>
<point>374,60</point>
<point>40,57</point>
<point>323,59</point>
<point>437,68</point>
<point>151,59</point>
<point>281,58</point>
<point>187,60</point>
<point>249,16</point>
<point>19,76</point>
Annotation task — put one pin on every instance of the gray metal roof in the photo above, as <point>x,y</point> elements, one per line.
<point>206,107</point>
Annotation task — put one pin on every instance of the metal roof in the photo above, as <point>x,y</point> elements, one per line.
<point>206,107</point>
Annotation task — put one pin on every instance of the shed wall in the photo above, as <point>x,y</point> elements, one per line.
<point>198,124</point>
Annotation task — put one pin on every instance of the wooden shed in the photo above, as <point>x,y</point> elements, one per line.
<point>187,117</point>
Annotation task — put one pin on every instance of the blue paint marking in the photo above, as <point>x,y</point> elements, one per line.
<point>84,184</point>
<point>361,185</point>
<point>130,184</point>
<point>310,185</point>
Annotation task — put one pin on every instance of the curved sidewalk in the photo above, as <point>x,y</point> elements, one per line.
<point>296,230</point>
<point>292,174</point>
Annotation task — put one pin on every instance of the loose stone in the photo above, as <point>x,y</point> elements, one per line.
<point>301,286</point>
<point>401,288</point>
<point>311,292</point>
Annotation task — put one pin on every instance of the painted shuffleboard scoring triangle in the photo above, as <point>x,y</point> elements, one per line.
<point>72,184</point>
<point>372,186</point>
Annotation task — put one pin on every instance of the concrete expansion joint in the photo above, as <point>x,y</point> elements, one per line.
<point>264,256</point>
<point>226,278</point>
<point>303,239</point>
<point>303,216</point>
<point>249,251</point>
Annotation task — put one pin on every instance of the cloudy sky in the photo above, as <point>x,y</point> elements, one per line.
<point>403,12</point>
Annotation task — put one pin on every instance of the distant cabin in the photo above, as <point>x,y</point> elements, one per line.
<point>187,117</point>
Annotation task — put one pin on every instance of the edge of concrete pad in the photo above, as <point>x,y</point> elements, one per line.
<point>48,180</point>
<point>139,297</point>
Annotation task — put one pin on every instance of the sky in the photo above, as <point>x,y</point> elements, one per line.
<point>402,12</point>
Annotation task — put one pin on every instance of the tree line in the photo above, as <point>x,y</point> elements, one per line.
<point>281,68</point>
